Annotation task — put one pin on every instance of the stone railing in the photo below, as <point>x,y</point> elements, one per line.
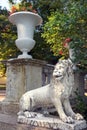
<point>47,73</point>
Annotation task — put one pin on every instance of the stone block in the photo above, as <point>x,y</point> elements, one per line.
<point>9,122</point>
<point>22,75</point>
<point>53,123</point>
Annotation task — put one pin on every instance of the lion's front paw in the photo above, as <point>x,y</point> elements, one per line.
<point>32,114</point>
<point>67,119</point>
<point>29,114</point>
<point>78,117</point>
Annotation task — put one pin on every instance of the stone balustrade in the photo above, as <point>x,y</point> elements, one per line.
<point>47,73</point>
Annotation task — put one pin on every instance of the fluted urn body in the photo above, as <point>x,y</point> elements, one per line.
<point>25,22</point>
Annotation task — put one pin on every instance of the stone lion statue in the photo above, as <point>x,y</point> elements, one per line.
<point>56,93</point>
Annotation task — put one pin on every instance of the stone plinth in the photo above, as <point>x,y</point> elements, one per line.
<point>9,122</point>
<point>52,123</point>
<point>22,75</point>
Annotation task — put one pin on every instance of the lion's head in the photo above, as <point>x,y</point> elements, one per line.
<point>61,68</point>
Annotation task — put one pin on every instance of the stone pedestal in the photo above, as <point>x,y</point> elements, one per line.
<point>9,122</point>
<point>52,122</point>
<point>22,75</point>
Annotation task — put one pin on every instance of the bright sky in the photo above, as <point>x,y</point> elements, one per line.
<point>4,3</point>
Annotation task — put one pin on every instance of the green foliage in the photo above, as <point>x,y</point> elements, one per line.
<point>42,50</point>
<point>66,19</point>
<point>2,69</point>
<point>81,105</point>
<point>7,38</point>
<point>45,7</point>
<point>70,22</point>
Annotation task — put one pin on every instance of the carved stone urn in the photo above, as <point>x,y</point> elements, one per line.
<point>25,22</point>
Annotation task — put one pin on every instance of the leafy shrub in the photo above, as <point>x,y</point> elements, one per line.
<point>81,105</point>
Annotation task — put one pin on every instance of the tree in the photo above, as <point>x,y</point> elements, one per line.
<point>45,7</point>
<point>69,22</point>
<point>7,37</point>
<point>65,21</point>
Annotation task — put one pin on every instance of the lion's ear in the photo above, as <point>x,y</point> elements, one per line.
<point>64,62</point>
<point>70,62</point>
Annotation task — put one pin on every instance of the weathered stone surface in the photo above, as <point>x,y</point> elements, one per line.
<point>9,122</point>
<point>9,107</point>
<point>22,75</point>
<point>53,123</point>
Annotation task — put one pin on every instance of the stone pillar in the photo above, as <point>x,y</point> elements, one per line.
<point>22,75</point>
